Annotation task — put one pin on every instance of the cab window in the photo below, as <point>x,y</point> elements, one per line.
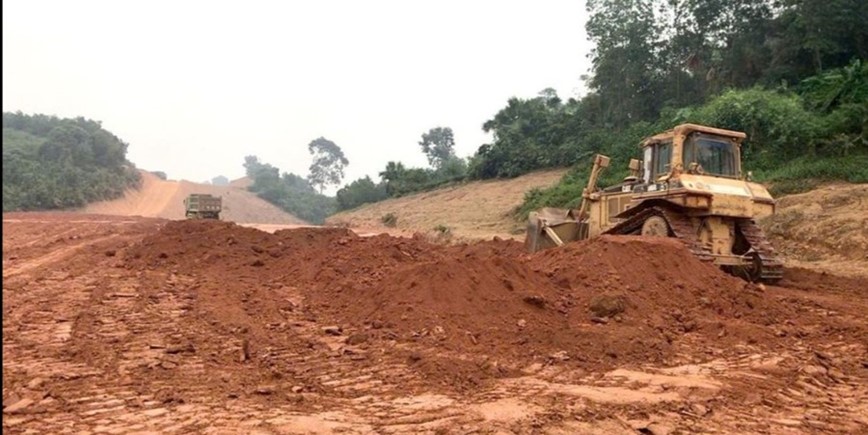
<point>647,160</point>
<point>663,159</point>
<point>711,154</point>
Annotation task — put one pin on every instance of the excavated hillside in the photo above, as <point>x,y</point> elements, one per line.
<point>164,199</point>
<point>475,210</point>
<point>824,228</point>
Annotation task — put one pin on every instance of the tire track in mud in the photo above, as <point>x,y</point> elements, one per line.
<point>55,256</point>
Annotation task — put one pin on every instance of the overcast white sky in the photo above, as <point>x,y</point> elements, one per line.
<point>194,86</point>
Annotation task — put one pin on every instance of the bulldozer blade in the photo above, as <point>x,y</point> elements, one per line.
<point>550,227</point>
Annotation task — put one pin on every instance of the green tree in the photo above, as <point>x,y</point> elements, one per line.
<point>361,191</point>
<point>812,36</point>
<point>438,144</point>
<point>328,163</point>
<point>626,59</point>
<point>220,180</point>
<point>49,162</point>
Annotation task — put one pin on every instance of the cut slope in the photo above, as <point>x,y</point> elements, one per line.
<point>480,209</point>
<point>825,228</point>
<point>165,199</point>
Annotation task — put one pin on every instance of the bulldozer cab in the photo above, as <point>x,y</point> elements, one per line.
<point>691,149</point>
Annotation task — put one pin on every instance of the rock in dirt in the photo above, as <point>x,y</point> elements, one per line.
<point>600,320</point>
<point>414,357</point>
<point>181,348</point>
<point>332,330</point>
<point>658,429</point>
<point>608,305</point>
<point>18,406</point>
<point>168,365</point>
<point>35,383</point>
<point>264,390</point>
<point>535,300</point>
<point>10,400</point>
<point>357,339</point>
<point>559,356</point>
<point>245,350</point>
<point>814,370</point>
<point>699,409</point>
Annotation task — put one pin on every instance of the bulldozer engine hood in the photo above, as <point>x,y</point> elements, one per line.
<point>728,196</point>
<point>707,195</point>
<point>725,186</point>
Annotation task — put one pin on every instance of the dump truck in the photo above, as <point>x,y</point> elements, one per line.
<point>203,206</point>
<point>688,185</point>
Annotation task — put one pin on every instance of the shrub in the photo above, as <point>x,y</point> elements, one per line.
<point>390,220</point>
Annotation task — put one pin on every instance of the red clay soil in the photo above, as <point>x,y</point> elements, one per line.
<point>597,304</point>
<point>146,323</point>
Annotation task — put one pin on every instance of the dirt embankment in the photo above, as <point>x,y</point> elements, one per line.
<point>476,210</point>
<point>825,228</point>
<point>164,199</point>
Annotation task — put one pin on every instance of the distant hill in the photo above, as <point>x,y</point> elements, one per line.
<point>241,183</point>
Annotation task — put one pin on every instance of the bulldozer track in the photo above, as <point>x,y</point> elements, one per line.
<point>679,225</point>
<point>683,229</point>
<point>772,267</point>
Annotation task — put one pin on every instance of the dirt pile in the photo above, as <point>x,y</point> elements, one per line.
<point>660,284</point>
<point>597,304</point>
<point>453,298</point>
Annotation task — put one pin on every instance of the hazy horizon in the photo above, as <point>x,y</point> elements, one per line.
<point>194,87</point>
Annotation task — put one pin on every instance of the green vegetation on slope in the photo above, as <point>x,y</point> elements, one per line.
<point>290,192</point>
<point>53,163</point>
<point>438,145</point>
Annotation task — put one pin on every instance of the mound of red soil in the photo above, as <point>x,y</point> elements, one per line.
<point>661,285</point>
<point>605,302</point>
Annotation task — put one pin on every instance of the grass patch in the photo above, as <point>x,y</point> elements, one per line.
<point>804,174</point>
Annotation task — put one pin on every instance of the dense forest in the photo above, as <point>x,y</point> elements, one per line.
<point>792,74</point>
<point>53,163</point>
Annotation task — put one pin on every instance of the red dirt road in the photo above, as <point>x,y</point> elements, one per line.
<point>165,199</point>
<point>118,325</point>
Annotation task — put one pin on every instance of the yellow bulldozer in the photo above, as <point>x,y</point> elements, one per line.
<point>689,184</point>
